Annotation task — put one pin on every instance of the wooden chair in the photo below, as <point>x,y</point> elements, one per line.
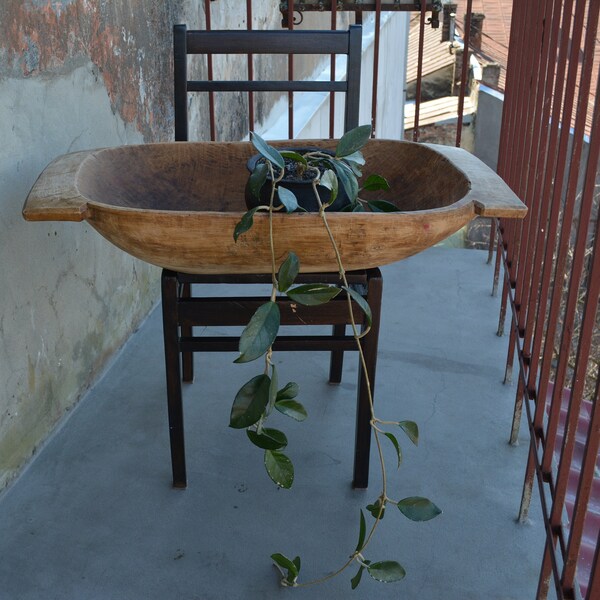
<point>182,311</point>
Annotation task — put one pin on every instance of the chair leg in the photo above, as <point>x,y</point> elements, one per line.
<point>337,357</point>
<point>173,373</point>
<point>362,447</point>
<point>187,331</point>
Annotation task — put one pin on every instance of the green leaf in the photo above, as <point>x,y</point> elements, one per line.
<point>288,392</point>
<point>330,181</point>
<point>268,439</point>
<point>382,206</point>
<point>376,182</point>
<point>364,305</point>
<point>287,198</point>
<point>356,579</point>
<point>271,154</point>
<point>359,208</point>
<point>362,532</point>
<point>250,402</point>
<point>291,408</point>
<point>353,140</point>
<point>377,508</point>
<point>260,332</point>
<point>313,294</point>
<point>289,569</point>
<point>294,156</point>
<point>288,272</point>
<point>387,571</point>
<point>245,223</point>
<point>280,468</point>
<point>356,157</point>
<point>418,509</point>
<point>257,179</point>
<point>355,161</point>
<point>347,178</point>
<point>394,440</point>
<point>411,429</point>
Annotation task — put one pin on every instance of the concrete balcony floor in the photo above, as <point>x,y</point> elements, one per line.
<point>94,515</point>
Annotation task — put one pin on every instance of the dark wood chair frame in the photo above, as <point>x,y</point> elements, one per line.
<point>182,311</point>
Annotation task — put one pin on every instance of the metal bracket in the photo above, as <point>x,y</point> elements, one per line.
<point>358,6</point>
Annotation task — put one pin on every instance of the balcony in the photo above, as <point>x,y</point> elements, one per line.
<point>94,516</point>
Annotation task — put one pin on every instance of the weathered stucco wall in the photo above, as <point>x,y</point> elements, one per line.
<point>77,74</point>
<point>74,74</point>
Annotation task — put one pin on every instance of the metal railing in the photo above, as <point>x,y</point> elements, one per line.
<point>293,11</point>
<point>549,155</point>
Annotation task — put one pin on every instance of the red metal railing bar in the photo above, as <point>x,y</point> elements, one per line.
<point>464,73</point>
<point>249,20</point>
<point>568,211</point>
<point>509,101</point>
<point>537,160</point>
<point>558,494</point>
<point>568,445</point>
<point>551,190</point>
<point>291,74</point>
<point>545,167</point>
<point>332,72</point>
<point>512,174</point>
<point>531,167</point>
<point>534,459</point>
<point>419,72</point>
<point>210,73</point>
<point>518,37</point>
<point>375,67</point>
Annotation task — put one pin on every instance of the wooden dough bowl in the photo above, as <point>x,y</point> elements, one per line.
<point>176,204</point>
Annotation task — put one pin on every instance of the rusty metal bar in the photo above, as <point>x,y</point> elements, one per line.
<point>209,66</point>
<point>419,73</point>
<point>375,67</point>
<point>332,72</point>
<point>551,191</point>
<point>250,68</point>
<point>551,284</point>
<point>464,73</point>
<point>286,8</point>
<point>569,208</point>
<point>514,168</point>
<point>539,107</point>
<point>509,129</point>
<point>577,266</point>
<point>290,25</point>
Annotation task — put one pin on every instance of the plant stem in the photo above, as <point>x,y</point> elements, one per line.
<point>383,497</point>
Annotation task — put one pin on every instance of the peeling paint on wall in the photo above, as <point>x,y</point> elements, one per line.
<point>128,41</point>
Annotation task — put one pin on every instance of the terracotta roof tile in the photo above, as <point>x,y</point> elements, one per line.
<point>436,54</point>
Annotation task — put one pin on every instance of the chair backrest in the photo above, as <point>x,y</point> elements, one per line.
<point>266,42</point>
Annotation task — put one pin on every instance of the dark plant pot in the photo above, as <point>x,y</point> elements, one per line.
<point>302,188</point>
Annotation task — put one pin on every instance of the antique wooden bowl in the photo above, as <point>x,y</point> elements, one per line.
<point>176,204</point>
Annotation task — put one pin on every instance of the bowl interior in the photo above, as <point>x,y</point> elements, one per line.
<point>212,176</point>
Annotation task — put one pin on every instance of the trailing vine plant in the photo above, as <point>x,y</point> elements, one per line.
<point>260,396</point>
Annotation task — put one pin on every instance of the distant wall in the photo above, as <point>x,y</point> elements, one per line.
<point>487,125</point>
